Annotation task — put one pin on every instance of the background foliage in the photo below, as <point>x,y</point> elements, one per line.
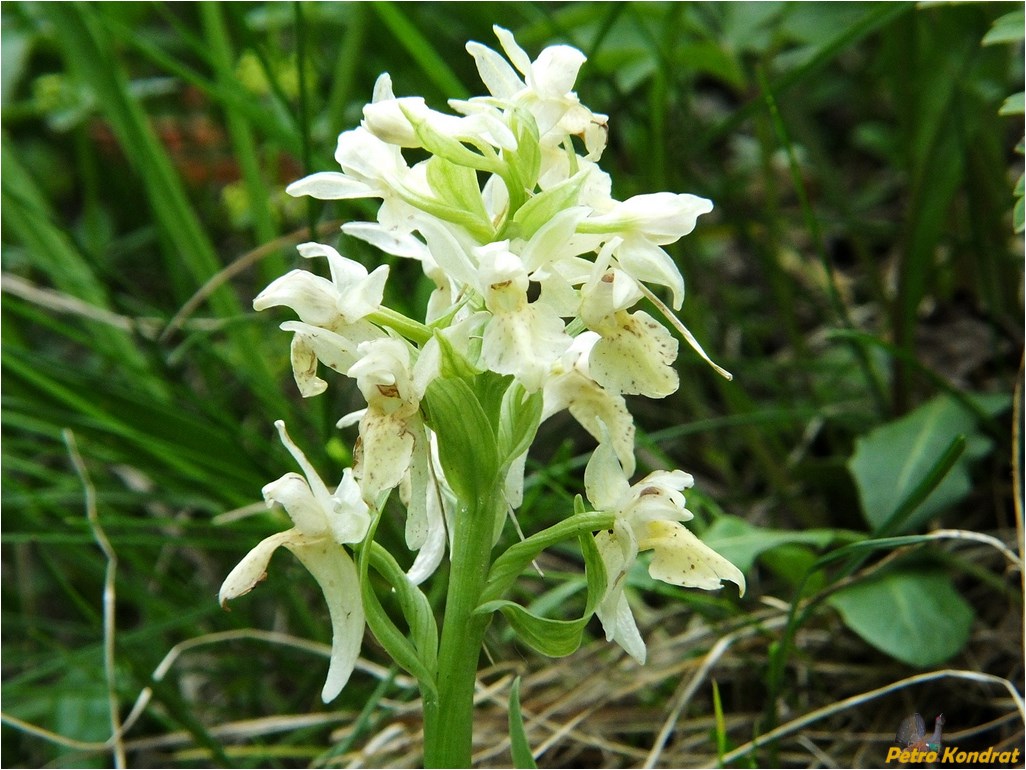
<point>860,275</point>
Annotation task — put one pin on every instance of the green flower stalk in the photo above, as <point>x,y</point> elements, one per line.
<point>454,400</point>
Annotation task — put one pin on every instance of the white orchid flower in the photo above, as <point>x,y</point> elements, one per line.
<point>636,353</point>
<point>350,295</point>
<point>391,430</point>
<point>546,89</point>
<point>522,338</point>
<point>643,224</point>
<point>648,517</point>
<point>371,168</point>
<point>323,521</point>
<point>332,313</point>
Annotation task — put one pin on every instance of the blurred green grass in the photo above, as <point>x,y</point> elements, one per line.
<point>859,261</point>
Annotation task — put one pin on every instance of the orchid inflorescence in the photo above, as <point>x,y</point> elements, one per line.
<point>537,271</point>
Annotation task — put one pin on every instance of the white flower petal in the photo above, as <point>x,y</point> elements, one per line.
<point>659,497</point>
<point>524,343</point>
<point>388,120</point>
<point>551,241</point>
<point>516,54</point>
<point>604,481</point>
<point>614,611</point>
<point>383,88</point>
<point>554,72</point>
<point>317,487</point>
<point>662,217</point>
<point>599,411</point>
<point>399,244</point>
<point>253,567</point>
<point>304,367</point>
<point>344,271</point>
<point>333,350</point>
<point>293,493</point>
<point>498,77</point>
<point>513,487</point>
<point>448,252</point>
<point>644,261</point>
<point>336,574</point>
<point>312,297</point>
<point>361,154</point>
<point>386,447</point>
<point>330,186</point>
<point>425,523</point>
<point>348,518</point>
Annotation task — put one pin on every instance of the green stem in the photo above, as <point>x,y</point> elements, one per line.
<point>448,722</point>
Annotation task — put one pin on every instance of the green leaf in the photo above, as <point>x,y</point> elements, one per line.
<point>525,162</point>
<point>1006,29</point>
<point>519,747</point>
<point>415,605</point>
<point>916,617</point>
<point>404,652</point>
<point>557,638</point>
<point>453,364</point>
<point>510,564</point>
<point>715,59</point>
<point>741,543</point>
<point>890,462</point>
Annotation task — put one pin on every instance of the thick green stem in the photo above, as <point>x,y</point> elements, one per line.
<point>448,723</point>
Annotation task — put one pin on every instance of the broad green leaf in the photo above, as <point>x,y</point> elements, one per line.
<point>519,747</point>
<point>916,617</point>
<point>715,59</point>
<point>890,462</point>
<point>741,543</point>
<point>401,649</point>
<point>557,638</point>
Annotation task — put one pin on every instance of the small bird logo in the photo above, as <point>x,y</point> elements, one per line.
<point>912,733</point>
